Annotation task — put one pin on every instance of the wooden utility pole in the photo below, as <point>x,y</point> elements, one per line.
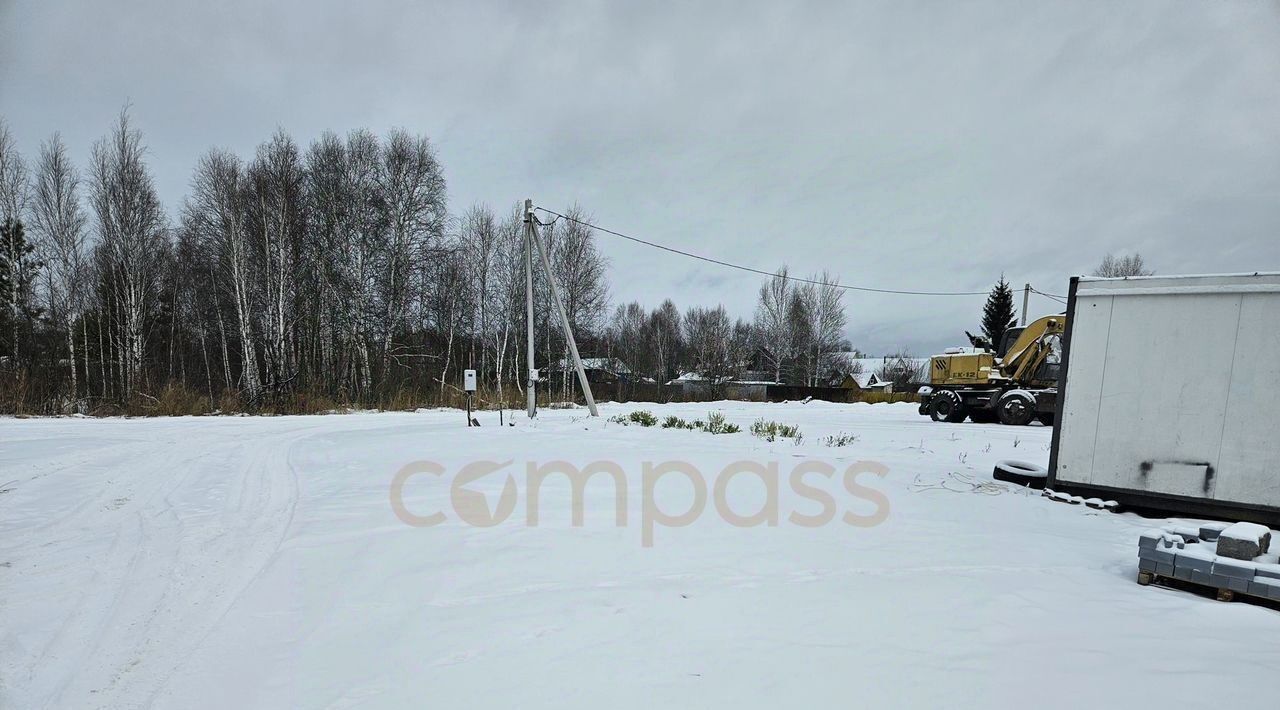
<point>1026,296</point>
<point>564,319</point>
<point>531,382</point>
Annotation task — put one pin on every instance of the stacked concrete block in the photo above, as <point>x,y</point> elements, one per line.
<point>1158,550</point>
<point>1147,541</point>
<point>1232,574</point>
<point>1270,571</point>
<point>1265,587</point>
<point>1209,531</point>
<point>1196,555</point>
<point>1187,532</point>
<point>1244,541</point>
<point>1194,563</point>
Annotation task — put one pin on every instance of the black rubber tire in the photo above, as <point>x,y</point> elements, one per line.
<point>1015,410</point>
<point>1023,474</point>
<point>946,406</point>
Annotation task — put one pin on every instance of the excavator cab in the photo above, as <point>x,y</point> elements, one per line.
<point>1009,338</point>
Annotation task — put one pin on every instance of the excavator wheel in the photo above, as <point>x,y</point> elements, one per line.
<point>1015,409</point>
<point>946,406</point>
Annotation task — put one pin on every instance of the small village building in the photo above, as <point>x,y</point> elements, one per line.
<point>864,382</point>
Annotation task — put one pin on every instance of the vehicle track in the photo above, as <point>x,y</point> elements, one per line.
<point>189,537</point>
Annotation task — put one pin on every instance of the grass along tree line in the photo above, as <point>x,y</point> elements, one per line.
<point>307,278</point>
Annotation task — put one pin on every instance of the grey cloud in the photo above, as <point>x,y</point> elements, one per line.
<point>898,144</point>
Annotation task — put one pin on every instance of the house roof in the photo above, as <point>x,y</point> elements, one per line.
<point>875,364</point>
<point>865,379</point>
<point>607,364</point>
<point>695,377</point>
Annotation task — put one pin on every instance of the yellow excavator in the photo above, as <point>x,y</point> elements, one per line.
<point>1014,385</point>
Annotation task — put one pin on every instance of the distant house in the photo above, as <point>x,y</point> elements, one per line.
<point>693,386</point>
<point>599,370</point>
<point>692,383</point>
<point>864,382</point>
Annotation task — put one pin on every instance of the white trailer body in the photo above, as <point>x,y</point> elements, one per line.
<point>1170,394</point>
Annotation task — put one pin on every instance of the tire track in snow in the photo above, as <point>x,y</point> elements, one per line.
<point>63,653</point>
<point>196,533</point>
<point>289,484</point>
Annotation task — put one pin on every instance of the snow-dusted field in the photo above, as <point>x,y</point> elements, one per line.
<point>257,562</point>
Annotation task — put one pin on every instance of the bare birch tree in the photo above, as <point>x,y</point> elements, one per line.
<point>1119,266</point>
<point>277,223</point>
<point>14,189</point>
<point>826,323</point>
<point>133,236</point>
<point>773,326</point>
<point>665,340</point>
<point>58,220</point>
<point>413,195</point>
<point>216,215</point>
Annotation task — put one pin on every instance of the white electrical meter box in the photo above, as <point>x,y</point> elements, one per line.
<point>469,380</point>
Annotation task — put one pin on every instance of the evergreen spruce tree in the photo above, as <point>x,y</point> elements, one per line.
<point>18,270</point>
<point>998,313</point>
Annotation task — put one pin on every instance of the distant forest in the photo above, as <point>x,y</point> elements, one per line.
<point>303,280</point>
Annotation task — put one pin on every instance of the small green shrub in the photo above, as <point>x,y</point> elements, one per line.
<point>771,431</point>
<point>674,422</point>
<point>716,424</point>
<point>640,417</point>
<point>841,439</point>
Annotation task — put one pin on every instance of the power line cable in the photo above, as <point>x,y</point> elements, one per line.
<point>1059,299</point>
<point>756,271</point>
<point>1050,295</point>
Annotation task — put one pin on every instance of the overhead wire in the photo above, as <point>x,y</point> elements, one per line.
<point>1059,299</point>
<point>749,269</point>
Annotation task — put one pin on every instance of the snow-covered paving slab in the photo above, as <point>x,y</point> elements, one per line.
<point>260,563</point>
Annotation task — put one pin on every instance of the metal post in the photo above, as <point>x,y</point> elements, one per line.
<point>564,319</point>
<point>530,385</point>
<point>1026,295</point>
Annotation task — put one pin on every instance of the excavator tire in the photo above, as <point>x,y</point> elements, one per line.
<point>1015,409</point>
<point>946,406</point>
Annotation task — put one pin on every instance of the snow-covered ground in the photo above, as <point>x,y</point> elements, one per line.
<point>258,563</point>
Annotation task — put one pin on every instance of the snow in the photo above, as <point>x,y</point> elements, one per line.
<point>875,364</point>
<point>869,379</point>
<point>608,364</point>
<point>1245,532</point>
<point>1157,277</point>
<point>257,562</point>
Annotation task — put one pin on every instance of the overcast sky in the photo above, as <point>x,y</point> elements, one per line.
<point>906,145</point>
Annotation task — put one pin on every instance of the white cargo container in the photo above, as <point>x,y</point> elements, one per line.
<point>1170,394</point>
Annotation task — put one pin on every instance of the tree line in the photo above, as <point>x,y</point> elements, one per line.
<point>306,278</point>
<point>796,336</point>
